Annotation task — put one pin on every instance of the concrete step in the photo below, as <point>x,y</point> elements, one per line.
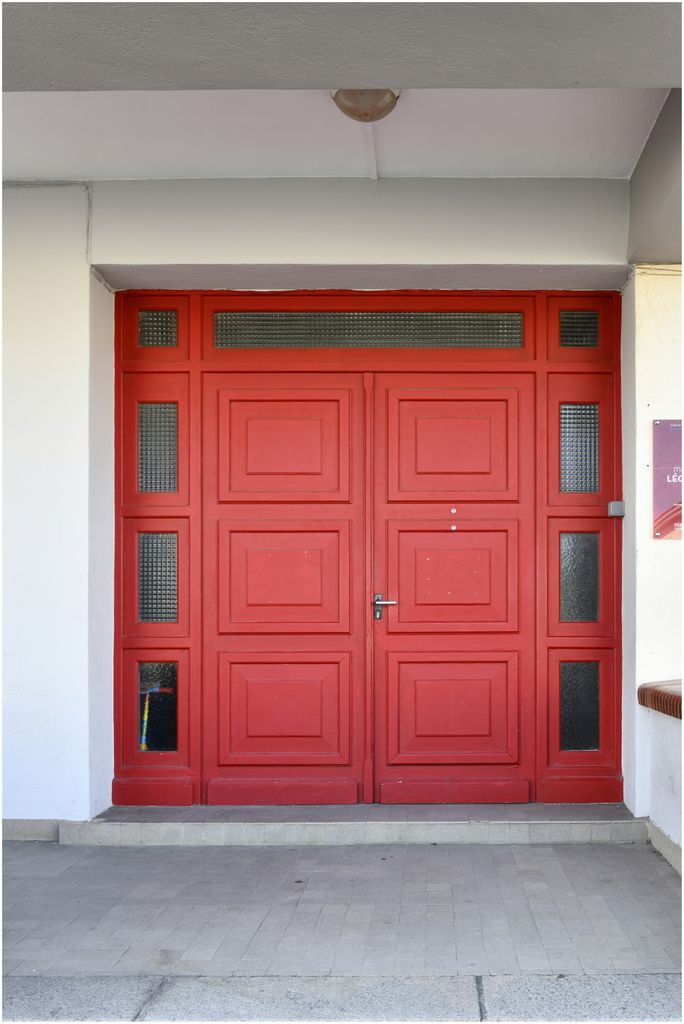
<point>318,826</point>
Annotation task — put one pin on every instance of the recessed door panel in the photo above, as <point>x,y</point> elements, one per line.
<point>282,445</point>
<point>452,708</point>
<point>452,444</point>
<point>283,577</point>
<point>453,580</point>
<point>278,710</point>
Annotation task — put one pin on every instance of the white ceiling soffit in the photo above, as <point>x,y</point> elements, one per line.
<point>275,277</point>
<point>79,46</point>
<point>578,133</point>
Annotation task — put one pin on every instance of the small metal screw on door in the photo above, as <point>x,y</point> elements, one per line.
<point>378,605</point>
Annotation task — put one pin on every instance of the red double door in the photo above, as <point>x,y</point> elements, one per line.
<point>320,491</point>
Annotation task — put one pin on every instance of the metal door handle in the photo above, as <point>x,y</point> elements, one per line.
<point>378,604</point>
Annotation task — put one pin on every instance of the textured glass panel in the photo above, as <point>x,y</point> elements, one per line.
<point>579,577</point>
<point>579,328</point>
<point>157,327</point>
<point>579,448</point>
<point>368,330</point>
<point>158,577</point>
<point>158,705</point>
<point>579,705</point>
<point>157,446</point>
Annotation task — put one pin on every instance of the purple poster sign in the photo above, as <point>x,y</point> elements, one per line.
<point>667,479</point>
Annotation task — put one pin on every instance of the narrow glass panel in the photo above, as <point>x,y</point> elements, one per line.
<point>579,328</point>
<point>157,577</point>
<point>158,705</point>
<point>579,705</point>
<point>368,330</point>
<point>157,327</point>
<point>579,448</point>
<point>157,446</point>
<point>579,577</point>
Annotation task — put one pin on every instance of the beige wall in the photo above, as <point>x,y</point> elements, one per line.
<point>651,367</point>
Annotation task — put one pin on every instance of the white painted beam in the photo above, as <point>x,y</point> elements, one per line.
<point>332,223</point>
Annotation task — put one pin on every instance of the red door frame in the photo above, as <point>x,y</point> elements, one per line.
<point>560,375</point>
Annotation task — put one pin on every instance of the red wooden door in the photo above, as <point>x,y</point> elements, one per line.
<point>284,578</point>
<point>455,547</point>
<point>286,615</point>
<point>268,485</point>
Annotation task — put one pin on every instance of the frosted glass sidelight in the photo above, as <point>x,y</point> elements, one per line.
<point>579,577</point>
<point>157,447</point>
<point>157,577</point>
<point>579,448</point>
<point>579,705</point>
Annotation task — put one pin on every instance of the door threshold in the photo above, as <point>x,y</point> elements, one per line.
<point>357,824</point>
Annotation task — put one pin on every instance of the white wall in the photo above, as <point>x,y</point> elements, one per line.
<point>651,367</point>
<point>663,747</point>
<point>101,546</point>
<point>46,385</point>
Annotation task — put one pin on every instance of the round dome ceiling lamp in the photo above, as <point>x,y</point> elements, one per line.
<point>366,104</point>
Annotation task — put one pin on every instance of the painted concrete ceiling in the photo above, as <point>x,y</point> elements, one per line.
<point>99,46</point>
<point>460,133</point>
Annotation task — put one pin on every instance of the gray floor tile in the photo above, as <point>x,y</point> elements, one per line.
<point>465,909</point>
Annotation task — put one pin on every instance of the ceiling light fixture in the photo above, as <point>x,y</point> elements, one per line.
<point>366,104</point>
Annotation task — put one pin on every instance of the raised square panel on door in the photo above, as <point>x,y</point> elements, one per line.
<point>280,446</point>
<point>284,709</point>
<point>462,581</point>
<point>284,577</point>
<point>446,708</point>
<point>455,444</point>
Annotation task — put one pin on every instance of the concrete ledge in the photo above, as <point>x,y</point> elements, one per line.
<point>43,829</point>
<point>666,846</point>
<point>347,833</point>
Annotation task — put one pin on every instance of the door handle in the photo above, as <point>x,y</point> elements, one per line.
<point>378,605</point>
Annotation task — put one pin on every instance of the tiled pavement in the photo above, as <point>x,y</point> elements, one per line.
<point>418,911</point>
